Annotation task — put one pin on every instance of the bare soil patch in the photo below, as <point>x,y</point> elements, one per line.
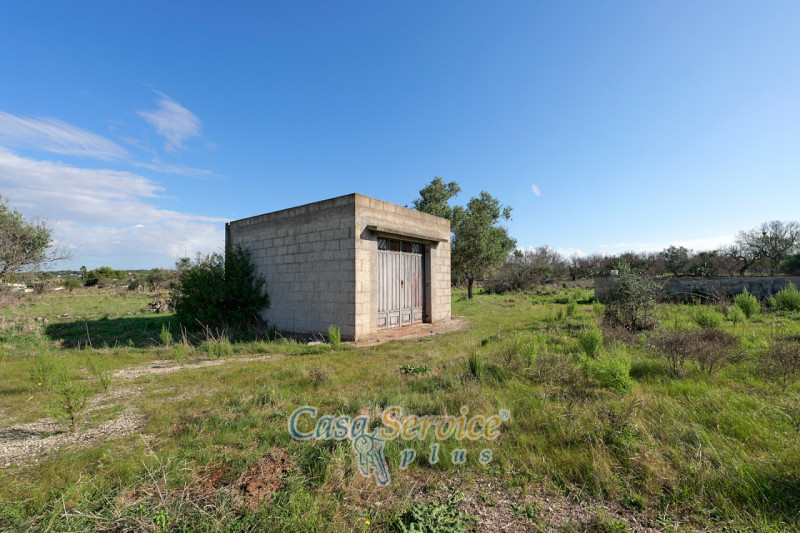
<point>30,443</point>
<point>417,331</point>
<point>255,487</point>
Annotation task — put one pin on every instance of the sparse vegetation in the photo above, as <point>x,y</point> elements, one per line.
<point>747,303</point>
<point>788,299</point>
<point>590,341</point>
<point>625,428</point>
<point>334,337</point>
<point>706,317</point>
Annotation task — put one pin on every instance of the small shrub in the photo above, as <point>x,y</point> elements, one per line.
<point>590,341</point>
<point>706,317</point>
<point>44,370</point>
<point>434,518</point>
<point>179,353</point>
<point>781,362</point>
<point>788,298</point>
<point>632,300</point>
<point>747,303</point>
<point>571,309</point>
<point>771,304</point>
<point>334,337</point>
<point>610,371</point>
<point>710,348</point>
<point>103,376</point>
<point>317,376</point>
<point>477,365</point>
<point>735,314</point>
<point>414,369</point>
<point>218,347</point>
<point>67,399</point>
<point>220,291</point>
<point>597,308</point>
<point>165,335</point>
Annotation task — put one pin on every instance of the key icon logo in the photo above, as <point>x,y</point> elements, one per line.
<point>370,458</point>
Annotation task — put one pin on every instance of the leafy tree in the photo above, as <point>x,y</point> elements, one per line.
<point>435,198</point>
<point>632,299</point>
<point>791,265</point>
<point>704,264</point>
<point>104,272</point>
<point>771,243</point>
<point>220,291</point>
<point>675,259</point>
<point>24,244</point>
<point>156,278</point>
<point>182,264</point>
<point>480,243</point>
<point>72,283</point>
<point>740,258</point>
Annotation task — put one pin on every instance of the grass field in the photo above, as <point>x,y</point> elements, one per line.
<point>619,441</point>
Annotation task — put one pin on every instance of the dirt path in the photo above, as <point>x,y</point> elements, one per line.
<point>167,366</point>
<point>30,443</point>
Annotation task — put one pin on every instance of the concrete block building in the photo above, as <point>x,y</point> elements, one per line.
<point>355,262</point>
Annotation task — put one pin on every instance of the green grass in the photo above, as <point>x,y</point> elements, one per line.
<point>708,452</point>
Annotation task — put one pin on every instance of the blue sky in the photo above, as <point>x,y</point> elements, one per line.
<point>138,128</point>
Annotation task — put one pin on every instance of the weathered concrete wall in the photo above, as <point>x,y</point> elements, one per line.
<point>376,217</point>
<point>320,261</point>
<point>761,287</point>
<point>307,256</point>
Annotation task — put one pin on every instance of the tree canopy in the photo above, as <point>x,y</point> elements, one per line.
<point>24,243</point>
<point>479,243</point>
<point>771,243</point>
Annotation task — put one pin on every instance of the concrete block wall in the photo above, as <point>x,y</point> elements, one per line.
<point>320,262</point>
<point>402,223</point>
<point>306,254</point>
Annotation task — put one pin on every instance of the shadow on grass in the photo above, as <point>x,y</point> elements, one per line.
<point>137,331</point>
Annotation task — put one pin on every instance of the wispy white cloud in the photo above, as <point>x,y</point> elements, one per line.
<point>52,135</point>
<point>106,213</point>
<point>172,121</point>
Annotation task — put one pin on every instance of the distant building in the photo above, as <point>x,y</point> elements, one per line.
<point>355,262</point>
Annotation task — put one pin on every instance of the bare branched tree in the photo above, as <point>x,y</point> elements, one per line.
<point>771,243</point>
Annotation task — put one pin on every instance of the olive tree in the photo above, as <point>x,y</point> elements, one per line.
<point>24,244</point>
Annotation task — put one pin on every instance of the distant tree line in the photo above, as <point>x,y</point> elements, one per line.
<point>772,248</point>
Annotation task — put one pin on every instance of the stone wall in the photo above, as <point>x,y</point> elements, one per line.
<point>761,287</point>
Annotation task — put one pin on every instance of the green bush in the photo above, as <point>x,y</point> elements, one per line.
<point>67,398</point>
<point>788,299</point>
<point>590,341</point>
<point>747,303</point>
<point>571,309</point>
<point>735,314</point>
<point>93,277</point>
<point>632,299</point>
<point>220,291</point>
<point>706,317</point>
<point>610,371</point>
<point>165,335</point>
<point>434,518</point>
<point>334,336</point>
<point>218,347</point>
